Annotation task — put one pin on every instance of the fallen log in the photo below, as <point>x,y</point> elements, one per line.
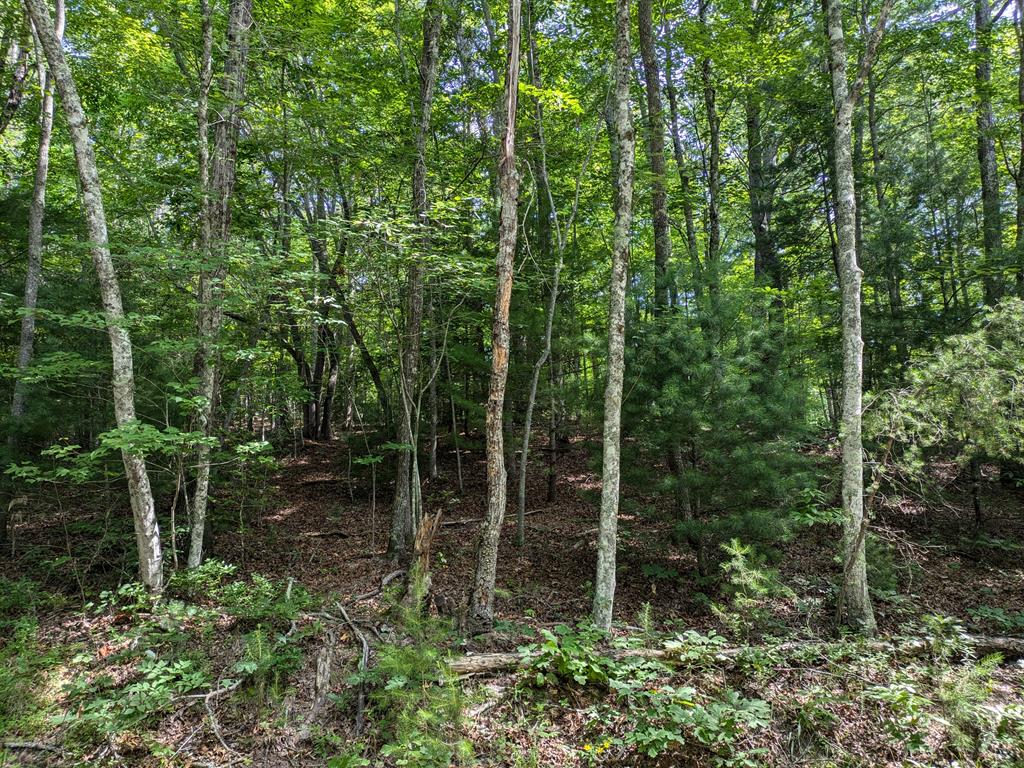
<point>493,663</point>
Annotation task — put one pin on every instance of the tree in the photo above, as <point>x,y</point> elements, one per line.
<point>216,228</point>
<point>854,600</point>
<point>481,601</point>
<point>663,287</point>
<point>34,272</point>
<point>607,537</point>
<point>147,530</point>
<point>991,207</point>
<point>407,505</point>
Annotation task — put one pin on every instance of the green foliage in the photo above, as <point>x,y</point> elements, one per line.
<point>964,398</point>
<point>101,707</point>
<point>23,663</point>
<point>565,655</point>
<point>750,585</point>
<point>1005,621</point>
<point>416,705</point>
<point>267,661</point>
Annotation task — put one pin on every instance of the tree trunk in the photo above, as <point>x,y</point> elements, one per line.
<point>406,510</point>
<point>18,51</point>
<point>682,169</point>
<point>481,602</point>
<point>992,228</point>
<point>1019,8</point>
<point>893,274</point>
<point>34,270</point>
<point>854,588</point>
<point>656,157</point>
<point>607,539</point>
<point>216,230</point>
<point>147,531</point>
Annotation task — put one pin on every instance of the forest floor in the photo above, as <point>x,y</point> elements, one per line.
<point>91,686</point>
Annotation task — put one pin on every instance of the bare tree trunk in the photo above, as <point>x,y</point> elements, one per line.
<point>147,531</point>
<point>406,512</point>
<point>432,395</point>
<point>893,274</point>
<point>854,600</point>
<point>19,52</point>
<point>684,175</point>
<point>1019,26</point>
<point>607,537</point>
<point>481,601</point>
<point>992,228</point>
<point>34,270</point>
<point>663,288</point>
<point>216,230</point>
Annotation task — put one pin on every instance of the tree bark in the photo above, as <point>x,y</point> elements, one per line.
<point>682,168</point>
<point>992,228</point>
<point>481,602</point>
<point>854,598</point>
<point>663,288</point>
<point>215,233</point>
<point>607,538</point>
<point>34,270</point>
<point>147,531</point>
<point>36,211</point>
<point>406,510</point>
<point>16,91</point>
<point>1019,26</point>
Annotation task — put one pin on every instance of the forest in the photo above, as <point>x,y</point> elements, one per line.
<point>561,383</point>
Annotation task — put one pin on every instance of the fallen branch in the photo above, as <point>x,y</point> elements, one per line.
<point>383,583</point>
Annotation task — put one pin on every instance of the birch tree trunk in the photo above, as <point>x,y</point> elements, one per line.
<point>663,289</point>
<point>405,511</point>
<point>480,616</point>
<point>215,233</point>
<point>854,598</point>
<point>36,210</point>
<point>147,531</point>
<point>34,269</point>
<point>607,538</point>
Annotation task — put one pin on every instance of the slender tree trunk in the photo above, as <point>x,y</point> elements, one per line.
<point>682,169</point>
<point>481,600</point>
<point>663,288</point>
<point>216,230</point>
<point>432,393</point>
<point>760,167</point>
<point>607,537</point>
<point>34,270</point>
<point>405,511</point>
<point>545,212</point>
<point>1019,25</point>
<point>18,51</point>
<point>854,588</point>
<point>893,273</point>
<point>147,531</point>
<point>992,228</point>
<point>714,181</point>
